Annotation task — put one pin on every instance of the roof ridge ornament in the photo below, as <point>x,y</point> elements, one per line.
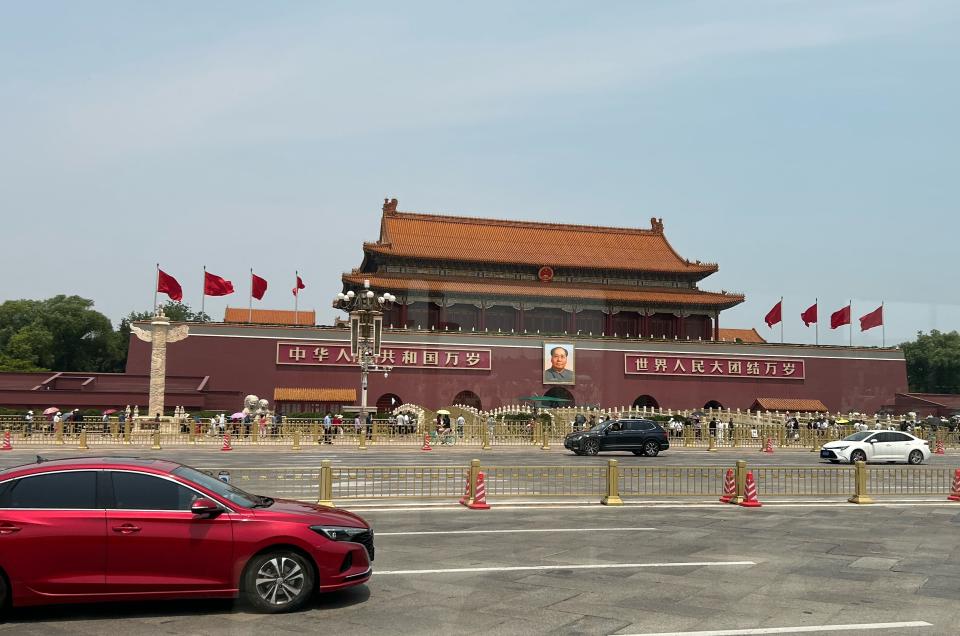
<point>389,206</point>
<point>656,225</point>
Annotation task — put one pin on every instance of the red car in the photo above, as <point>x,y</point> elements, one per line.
<point>114,529</point>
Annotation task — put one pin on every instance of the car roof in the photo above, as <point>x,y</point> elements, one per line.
<point>42,465</point>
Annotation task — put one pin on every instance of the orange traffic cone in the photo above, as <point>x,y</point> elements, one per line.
<point>480,501</point>
<point>466,488</point>
<point>426,443</point>
<point>955,491</point>
<point>769,447</point>
<point>6,442</point>
<point>939,450</point>
<point>226,443</point>
<point>729,487</point>
<point>750,494</point>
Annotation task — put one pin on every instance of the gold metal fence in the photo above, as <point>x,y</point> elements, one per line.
<point>671,481</point>
<point>605,482</point>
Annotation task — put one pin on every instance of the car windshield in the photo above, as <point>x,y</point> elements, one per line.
<point>225,490</point>
<point>858,437</point>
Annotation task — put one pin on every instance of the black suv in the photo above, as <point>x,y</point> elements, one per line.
<point>642,437</point>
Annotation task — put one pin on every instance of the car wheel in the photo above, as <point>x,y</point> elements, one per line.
<point>651,448</point>
<point>915,457</point>
<point>591,447</point>
<point>280,581</point>
<point>858,456</point>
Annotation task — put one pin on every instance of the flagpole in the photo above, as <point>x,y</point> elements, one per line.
<point>883,342</point>
<point>816,301</point>
<point>155,286</point>
<point>781,320</point>
<point>850,323</point>
<point>250,312</point>
<point>296,298</point>
<point>203,290</point>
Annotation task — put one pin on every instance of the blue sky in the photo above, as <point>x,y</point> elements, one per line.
<point>810,148</point>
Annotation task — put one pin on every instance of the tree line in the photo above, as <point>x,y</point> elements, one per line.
<point>65,333</point>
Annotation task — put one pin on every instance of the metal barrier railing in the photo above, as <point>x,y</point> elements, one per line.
<point>328,483</point>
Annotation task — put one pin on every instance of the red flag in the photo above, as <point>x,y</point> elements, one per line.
<point>216,286</point>
<point>840,317</point>
<point>810,315</point>
<point>167,284</point>
<point>873,319</point>
<point>258,287</point>
<point>775,315</point>
<point>296,289</point>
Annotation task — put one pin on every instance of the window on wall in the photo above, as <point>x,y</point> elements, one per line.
<point>463,316</point>
<point>663,326</point>
<point>417,315</point>
<point>626,322</point>
<point>501,317</point>
<point>590,321</point>
<point>545,320</point>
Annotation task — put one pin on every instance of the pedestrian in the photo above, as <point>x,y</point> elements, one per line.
<point>357,428</point>
<point>720,430</point>
<point>28,423</point>
<point>327,424</point>
<point>492,425</point>
<point>579,421</point>
<point>713,427</point>
<point>460,424</point>
<point>369,424</point>
<point>263,425</point>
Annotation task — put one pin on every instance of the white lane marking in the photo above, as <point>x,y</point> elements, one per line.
<point>400,534</point>
<point>791,630</point>
<point>599,566</point>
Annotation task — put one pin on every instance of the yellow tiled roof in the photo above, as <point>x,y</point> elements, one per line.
<point>470,239</point>
<point>314,394</point>
<point>745,335</point>
<point>270,316</point>
<point>790,404</point>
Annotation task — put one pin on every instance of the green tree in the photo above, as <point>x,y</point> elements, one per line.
<point>176,312</point>
<point>933,362</point>
<point>63,333</point>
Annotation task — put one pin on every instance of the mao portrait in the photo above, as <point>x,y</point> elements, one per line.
<point>558,366</point>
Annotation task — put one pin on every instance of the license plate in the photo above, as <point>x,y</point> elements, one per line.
<point>824,453</point>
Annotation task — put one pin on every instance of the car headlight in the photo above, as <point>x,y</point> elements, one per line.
<point>839,448</point>
<point>339,533</point>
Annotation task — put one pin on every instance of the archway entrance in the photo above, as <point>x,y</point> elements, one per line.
<point>468,398</point>
<point>561,394</point>
<point>387,402</point>
<point>646,401</point>
<point>713,404</point>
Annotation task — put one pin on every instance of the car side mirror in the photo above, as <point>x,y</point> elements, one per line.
<point>205,508</point>
<point>872,440</point>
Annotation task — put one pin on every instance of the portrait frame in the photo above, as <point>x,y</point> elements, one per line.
<point>567,375</point>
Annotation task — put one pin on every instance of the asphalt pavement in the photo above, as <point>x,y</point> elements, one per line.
<point>595,570</point>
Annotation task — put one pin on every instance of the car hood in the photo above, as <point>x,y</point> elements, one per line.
<point>839,444</point>
<point>313,513</point>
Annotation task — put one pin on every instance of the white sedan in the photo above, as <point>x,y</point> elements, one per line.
<point>877,446</point>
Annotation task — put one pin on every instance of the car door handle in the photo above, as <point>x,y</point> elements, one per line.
<point>8,528</point>
<point>127,528</point>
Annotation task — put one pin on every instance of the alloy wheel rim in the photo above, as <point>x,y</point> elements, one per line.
<point>280,580</point>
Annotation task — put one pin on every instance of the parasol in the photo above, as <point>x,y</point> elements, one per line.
<point>51,410</point>
<point>110,411</point>
<point>443,412</point>
<point>238,416</point>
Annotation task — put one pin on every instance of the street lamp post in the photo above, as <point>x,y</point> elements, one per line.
<point>366,328</point>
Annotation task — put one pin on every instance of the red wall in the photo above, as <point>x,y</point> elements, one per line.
<point>843,378</point>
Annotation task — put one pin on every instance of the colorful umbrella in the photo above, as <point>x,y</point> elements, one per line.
<point>238,416</point>
<point>51,410</point>
<point>110,411</point>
